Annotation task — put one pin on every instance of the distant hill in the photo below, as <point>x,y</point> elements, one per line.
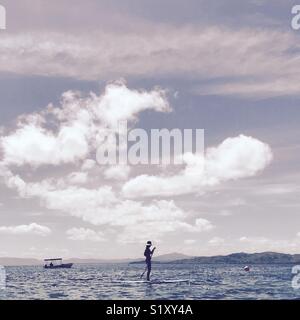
<point>162,258</point>
<point>31,262</point>
<point>234,258</point>
<point>97,261</point>
<point>246,258</point>
<point>19,262</point>
<point>170,257</point>
<point>35,262</point>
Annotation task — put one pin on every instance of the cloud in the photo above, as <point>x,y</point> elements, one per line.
<point>216,241</point>
<point>278,189</point>
<point>259,244</point>
<point>135,220</point>
<point>189,241</point>
<point>234,158</point>
<point>225,213</point>
<point>156,229</point>
<point>70,134</point>
<point>203,225</point>
<point>254,240</point>
<point>78,125</point>
<point>237,202</point>
<point>267,58</point>
<point>83,234</point>
<point>78,178</point>
<point>35,145</point>
<point>118,103</point>
<point>31,229</point>
<point>254,89</point>
<point>118,172</point>
<point>88,164</point>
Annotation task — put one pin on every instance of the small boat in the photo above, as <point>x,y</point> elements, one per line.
<point>56,264</point>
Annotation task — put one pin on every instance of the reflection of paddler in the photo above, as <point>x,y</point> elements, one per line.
<point>247,268</point>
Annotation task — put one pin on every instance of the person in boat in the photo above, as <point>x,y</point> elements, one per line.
<point>51,265</point>
<point>148,254</point>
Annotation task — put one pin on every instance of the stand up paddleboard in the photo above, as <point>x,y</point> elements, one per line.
<point>152,281</point>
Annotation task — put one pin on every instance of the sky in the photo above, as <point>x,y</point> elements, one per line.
<point>71,69</point>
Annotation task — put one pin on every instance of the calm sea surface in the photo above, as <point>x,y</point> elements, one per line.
<point>105,282</point>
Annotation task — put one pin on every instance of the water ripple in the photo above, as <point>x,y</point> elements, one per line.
<point>104,282</point>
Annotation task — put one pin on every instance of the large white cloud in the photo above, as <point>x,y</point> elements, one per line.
<point>70,134</point>
<point>34,145</point>
<point>30,229</point>
<point>76,125</point>
<point>135,219</point>
<point>234,158</point>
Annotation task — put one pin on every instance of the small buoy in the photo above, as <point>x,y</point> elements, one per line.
<point>246,268</point>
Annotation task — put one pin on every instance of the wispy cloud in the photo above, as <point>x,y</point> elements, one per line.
<point>216,241</point>
<point>30,229</point>
<point>83,234</point>
<point>266,58</point>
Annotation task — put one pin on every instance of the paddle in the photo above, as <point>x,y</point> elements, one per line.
<point>143,272</point>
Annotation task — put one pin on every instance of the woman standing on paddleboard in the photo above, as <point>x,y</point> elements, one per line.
<point>148,254</point>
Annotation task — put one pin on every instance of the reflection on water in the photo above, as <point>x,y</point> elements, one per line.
<point>105,282</point>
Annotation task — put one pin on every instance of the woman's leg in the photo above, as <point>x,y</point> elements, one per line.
<point>149,270</point>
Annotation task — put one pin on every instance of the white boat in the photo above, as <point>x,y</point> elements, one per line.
<point>56,264</point>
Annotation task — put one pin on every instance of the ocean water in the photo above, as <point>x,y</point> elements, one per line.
<point>103,282</point>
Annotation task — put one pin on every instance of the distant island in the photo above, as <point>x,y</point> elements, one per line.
<point>238,258</point>
<point>10,261</point>
<point>178,258</point>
